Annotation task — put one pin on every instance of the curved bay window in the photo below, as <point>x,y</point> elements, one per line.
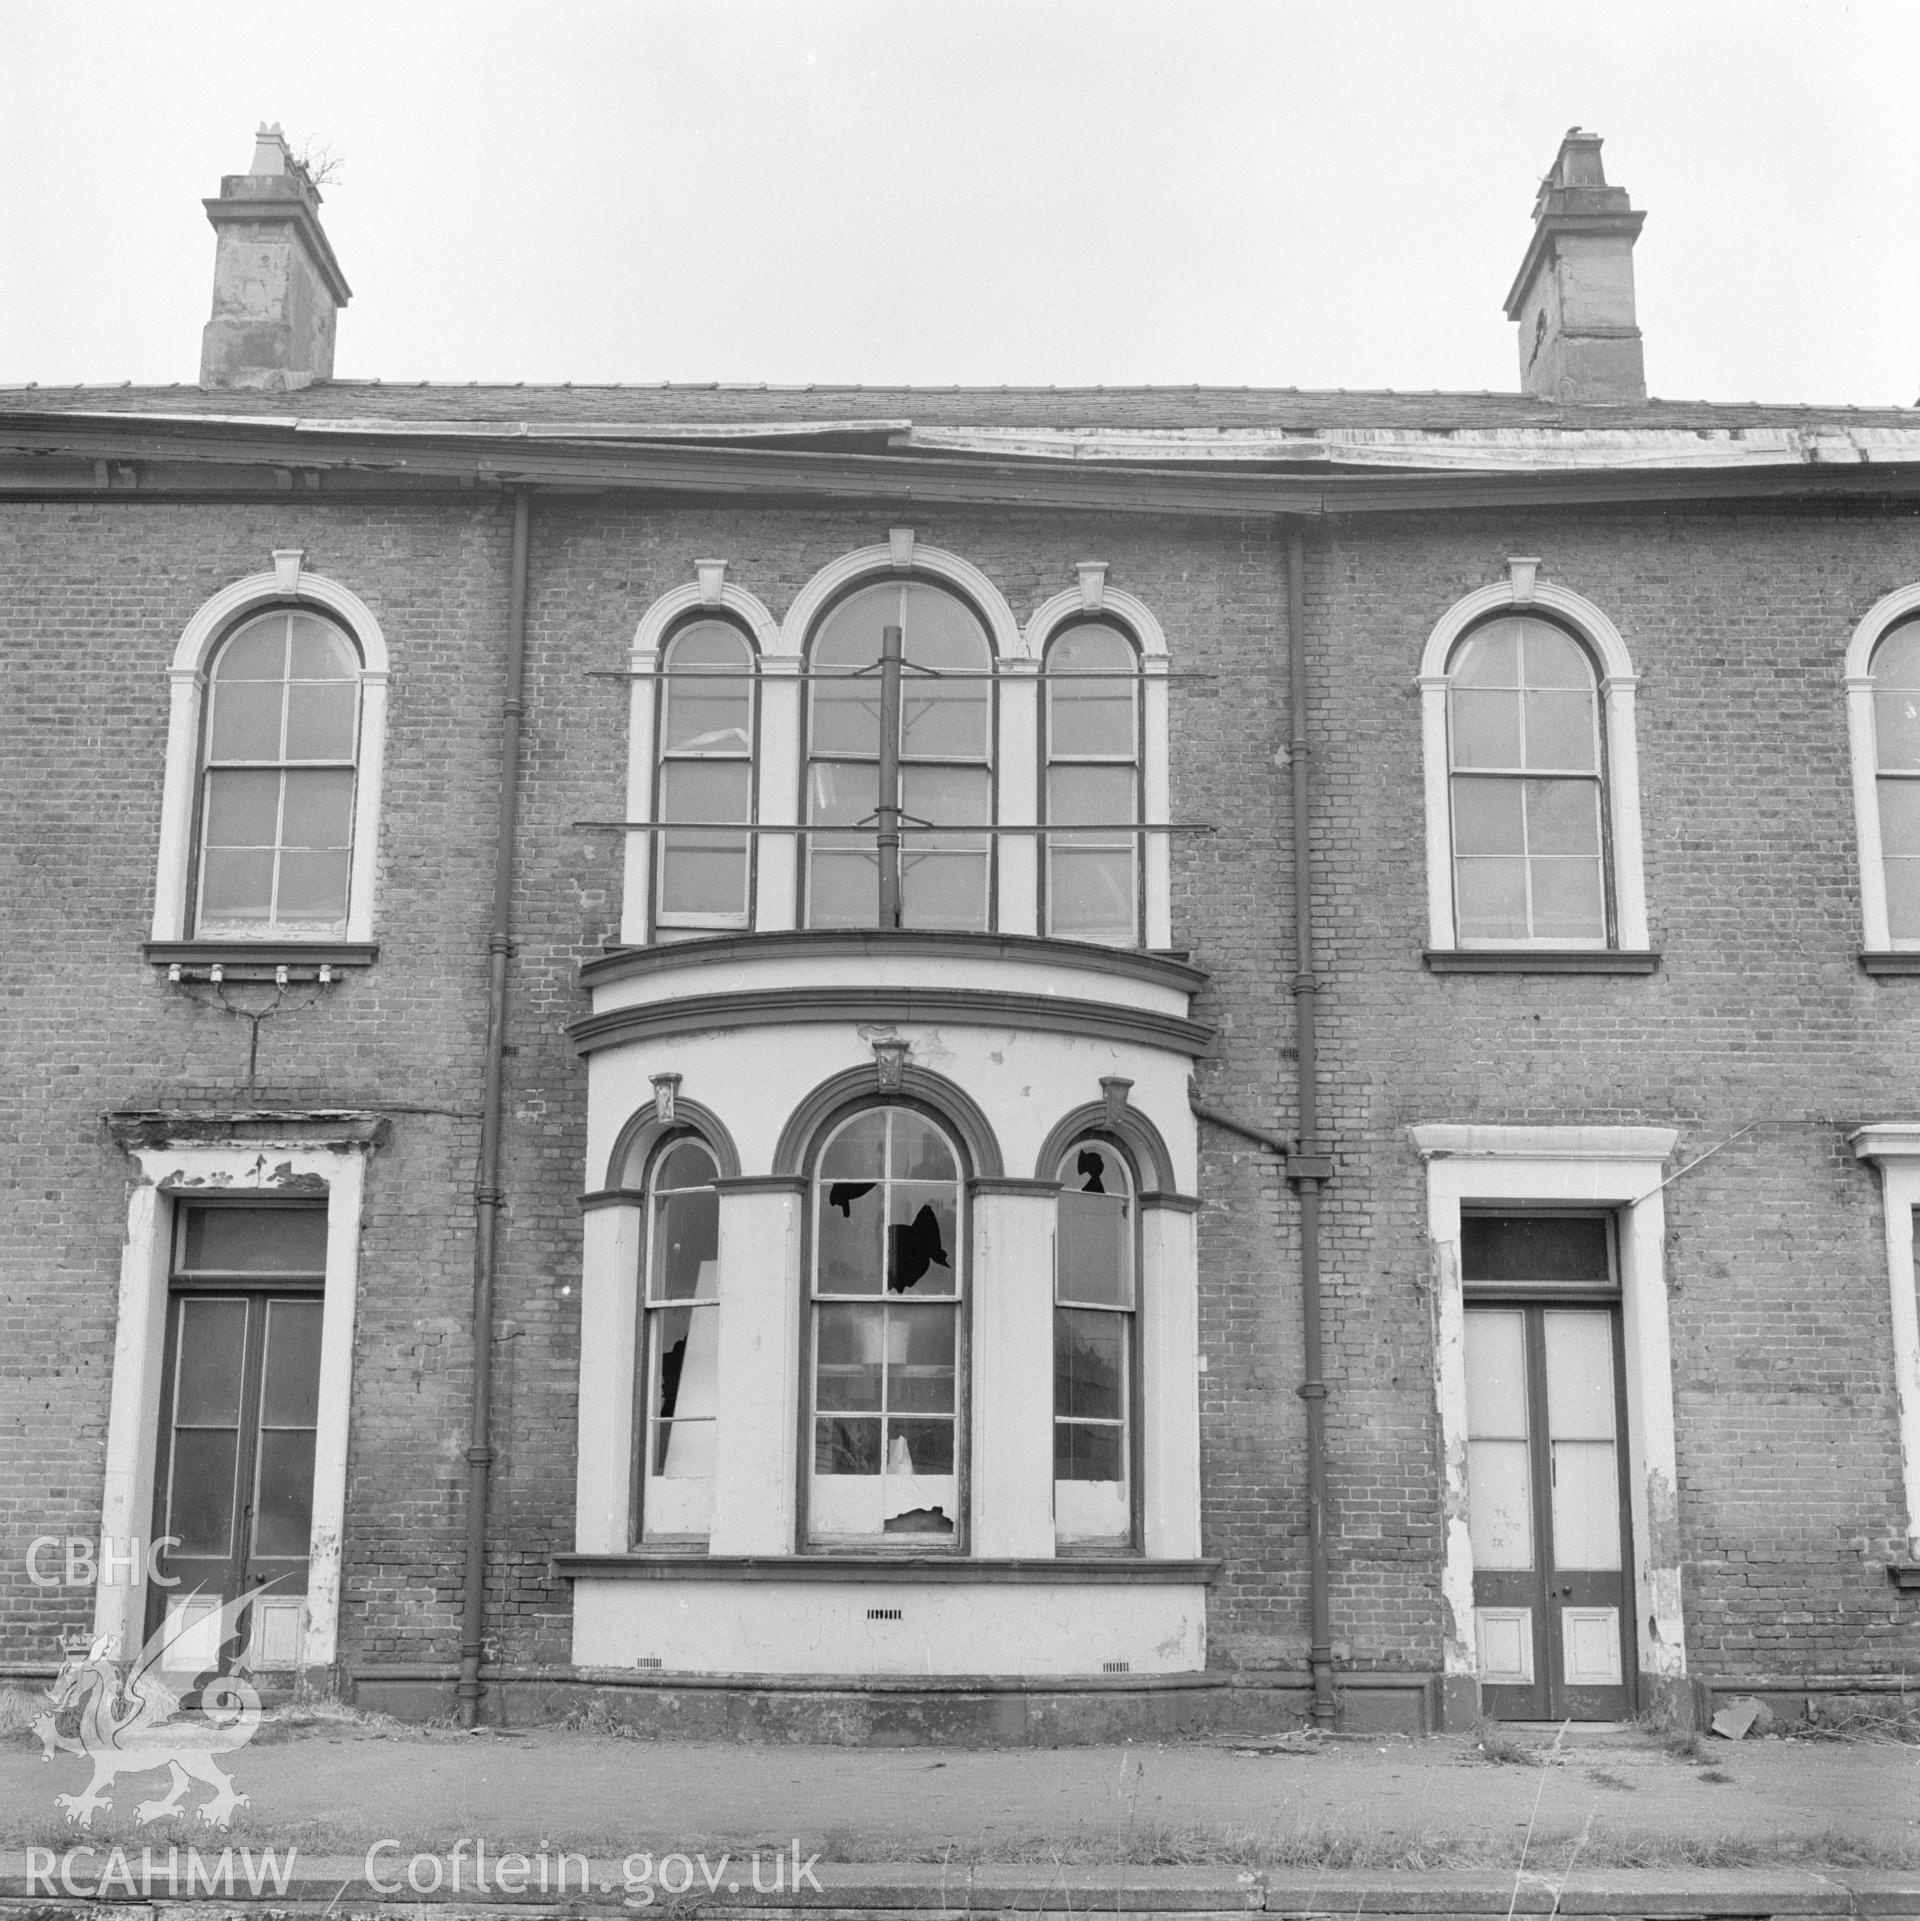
<point>1526,777</point>
<point>1093,776</point>
<point>1895,669</point>
<point>706,775</point>
<point>276,806</point>
<point>885,1342</point>
<point>1094,1291</point>
<point>679,1379</point>
<point>892,742</point>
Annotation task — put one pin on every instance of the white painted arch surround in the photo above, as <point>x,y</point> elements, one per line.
<point>1523,592</point>
<point>1619,1169</point>
<point>255,1167</point>
<point>288,582</point>
<point>1863,752</point>
<point>781,646</point>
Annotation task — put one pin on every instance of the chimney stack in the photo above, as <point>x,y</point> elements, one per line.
<point>276,285</point>
<point>1573,297</point>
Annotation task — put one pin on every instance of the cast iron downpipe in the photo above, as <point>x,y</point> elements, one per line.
<point>1311,1167</point>
<point>1306,1161</point>
<point>487,1195</point>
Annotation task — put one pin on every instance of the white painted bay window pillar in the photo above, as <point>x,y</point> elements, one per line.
<point>1013,1226</point>
<point>612,1234</point>
<point>776,893</point>
<point>1169,1357</point>
<point>1895,1147</point>
<point>643,691</point>
<point>1019,770</point>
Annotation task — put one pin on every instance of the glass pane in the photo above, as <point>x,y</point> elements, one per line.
<point>946,794</point>
<point>941,889</point>
<point>1523,1247</point>
<point>1896,661</point>
<point>686,1246</point>
<point>707,716</point>
<point>945,719</point>
<point>283,1493</point>
<point>1500,1504</point>
<point>1097,718</point>
<point>920,1360</point>
<point>920,1150</point>
<point>703,874</point>
<point>1562,732</point>
<point>847,1231</point>
<point>687,1164</point>
<point>846,1447</point>
<point>1089,1363</point>
<point>843,887</point>
<point>850,635</point>
<point>859,1148</point>
<point>212,1340</point>
<point>1087,1453</point>
<point>1486,728</point>
<point>320,651</point>
<point>1488,818</point>
<point>1586,1505</point>
<point>1899,818</point>
<point>255,1240</point>
<point>1496,1358</point>
<point>1896,723</point>
<point>313,889</point>
<point>1090,894</point>
<point>668,1327</point>
<point>200,1503</point>
<point>1490,899</point>
<point>1099,794</point>
<point>320,720</point>
<point>683,1451</point>
<point>1563,816</point>
<point>1903,898</point>
<point>1579,1375</point>
<point>920,1238</point>
<point>243,809</point>
<point>846,715</point>
<point>245,722</point>
<point>920,1447</point>
<point>1569,900</point>
<point>318,810</point>
<point>942,632</point>
<point>257,652</point>
<point>1488,657</point>
<point>686,1349</point>
<point>840,793</point>
<point>1093,1250</point>
<point>852,1348</point>
<point>290,1392</point>
<point>1553,658</point>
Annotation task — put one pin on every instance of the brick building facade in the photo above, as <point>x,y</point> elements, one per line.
<point>1603,711</point>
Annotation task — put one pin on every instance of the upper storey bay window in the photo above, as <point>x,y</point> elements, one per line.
<point>276,801</point>
<point>706,775</point>
<point>899,740</point>
<point>1093,778</point>
<point>1527,775</point>
<point>1896,737</point>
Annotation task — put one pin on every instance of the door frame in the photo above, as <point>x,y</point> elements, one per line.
<point>1606,1169</point>
<point>331,1161</point>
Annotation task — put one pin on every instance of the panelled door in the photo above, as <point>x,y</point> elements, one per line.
<point>1553,1612</point>
<point>233,1481</point>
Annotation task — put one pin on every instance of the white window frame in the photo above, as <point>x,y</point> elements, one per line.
<point>257,1169</point>
<point>1863,750</point>
<point>288,585</point>
<point>1618,1169</point>
<point>1895,1147</point>
<point>1523,592</point>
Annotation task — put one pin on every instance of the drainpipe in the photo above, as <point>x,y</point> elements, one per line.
<point>1310,1167</point>
<point>487,1195</point>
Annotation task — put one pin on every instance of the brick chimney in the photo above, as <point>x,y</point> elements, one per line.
<point>1573,297</point>
<point>276,285</point>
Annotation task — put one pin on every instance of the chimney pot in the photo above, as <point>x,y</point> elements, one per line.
<point>277,289</point>
<point>1573,297</point>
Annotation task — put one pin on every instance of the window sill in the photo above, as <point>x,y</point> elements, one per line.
<point>1068,1569</point>
<point>1540,960</point>
<point>258,960</point>
<point>1882,961</point>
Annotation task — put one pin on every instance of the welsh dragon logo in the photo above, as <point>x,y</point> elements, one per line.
<point>129,1725</point>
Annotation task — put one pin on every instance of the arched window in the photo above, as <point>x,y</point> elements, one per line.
<point>920,726</point>
<point>1093,777</point>
<point>706,731</point>
<point>1095,1292</point>
<point>1526,779</point>
<point>678,1379</point>
<point>884,1344</point>
<point>1894,668</point>
<point>273,851</point>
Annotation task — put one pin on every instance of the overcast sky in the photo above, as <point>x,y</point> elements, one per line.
<point>980,191</point>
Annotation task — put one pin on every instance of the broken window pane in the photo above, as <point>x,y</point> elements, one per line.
<point>680,1385</point>
<point>1093,1345</point>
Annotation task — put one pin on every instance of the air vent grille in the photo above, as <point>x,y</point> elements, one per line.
<point>884,1614</point>
<point>1116,1667</point>
<point>648,1661</point>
